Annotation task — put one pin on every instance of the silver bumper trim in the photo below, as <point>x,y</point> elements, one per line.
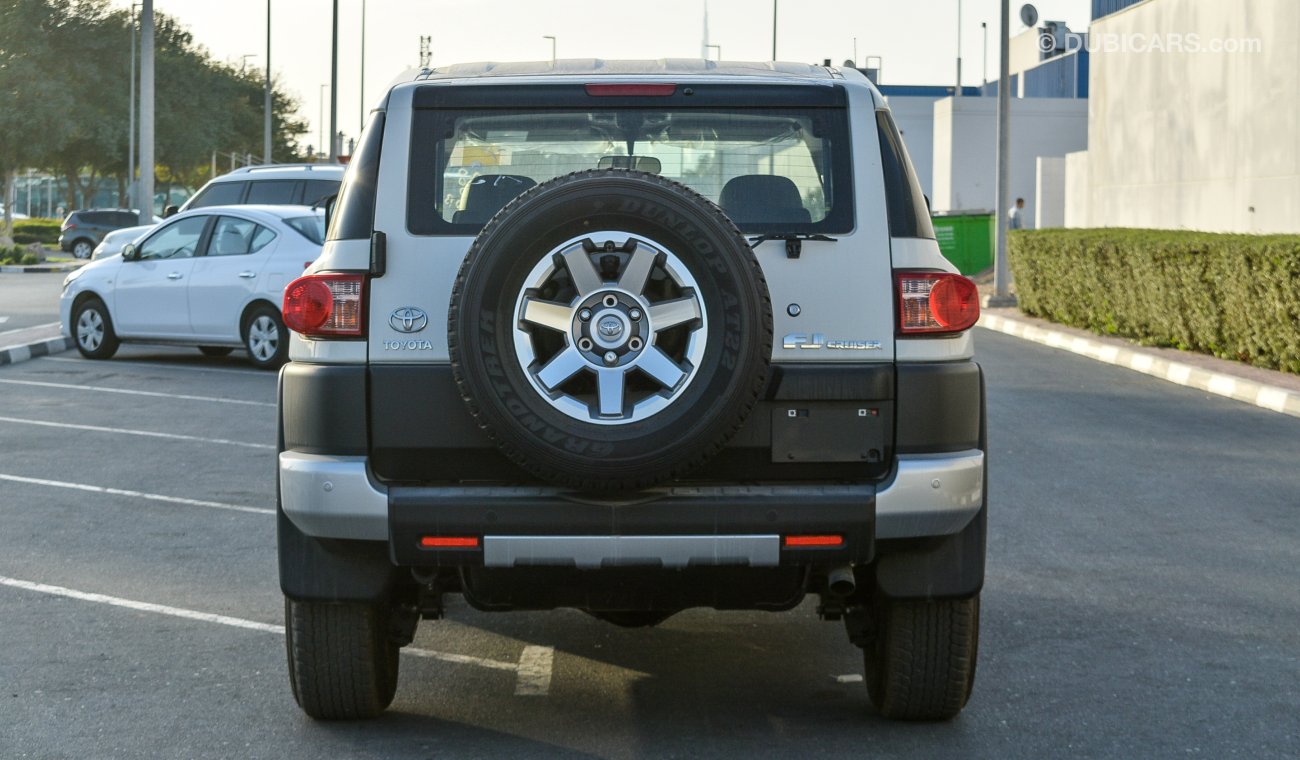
<point>332,497</point>
<point>931,495</point>
<point>589,552</point>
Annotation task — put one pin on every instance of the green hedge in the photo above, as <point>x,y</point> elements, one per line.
<point>17,255</point>
<point>1234,296</point>
<point>44,231</point>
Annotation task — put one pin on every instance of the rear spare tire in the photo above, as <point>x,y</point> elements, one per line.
<point>610,329</point>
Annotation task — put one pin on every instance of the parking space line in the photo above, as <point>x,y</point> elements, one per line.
<point>145,433</point>
<point>24,329</point>
<point>155,365</point>
<point>135,494</point>
<point>128,392</point>
<point>252,625</point>
<point>534,679</point>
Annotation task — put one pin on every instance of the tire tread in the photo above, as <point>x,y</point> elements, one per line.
<point>341,664</point>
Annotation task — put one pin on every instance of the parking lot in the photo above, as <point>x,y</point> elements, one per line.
<point>1141,600</point>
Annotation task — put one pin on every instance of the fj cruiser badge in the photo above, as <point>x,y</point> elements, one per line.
<point>408,319</point>
<point>818,340</point>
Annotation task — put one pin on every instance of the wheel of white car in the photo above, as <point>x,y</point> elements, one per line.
<point>92,329</point>
<point>610,329</point>
<point>265,337</point>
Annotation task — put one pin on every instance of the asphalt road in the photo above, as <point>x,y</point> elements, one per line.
<point>1142,600</point>
<point>28,300</point>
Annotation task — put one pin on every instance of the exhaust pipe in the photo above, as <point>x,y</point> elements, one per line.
<point>841,582</point>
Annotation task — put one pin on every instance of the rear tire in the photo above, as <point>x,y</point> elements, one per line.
<point>215,350</point>
<point>922,663</point>
<point>342,663</point>
<point>266,338</point>
<point>92,330</point>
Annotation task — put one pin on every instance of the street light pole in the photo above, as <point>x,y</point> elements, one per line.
<point>717,48</point>
<point>146,112</point>
<point>957,92</point>
<point>130,129</point>
<point>774,30</point>
<point>552,39</point>
<point>362,126</point>
<point>320,123</point>
<point>266,97</point>
<point>334,87</point>
<point>1001,296</point>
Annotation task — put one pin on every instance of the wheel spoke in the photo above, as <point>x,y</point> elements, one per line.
<point>561,368</point>
<point>668,314</point>
<point>581,270</point>
<point>638,269</point>
<point>655,363</point>
<point>610,391</point>
<point>556,316</point>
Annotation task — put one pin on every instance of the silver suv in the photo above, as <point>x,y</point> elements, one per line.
<point>632,337</point>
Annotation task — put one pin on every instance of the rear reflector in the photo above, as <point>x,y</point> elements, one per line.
<point>800,542</point>
<point>631,90</point>
<point>326,305</point>
<point>935,303</point>
<point>449,542</point>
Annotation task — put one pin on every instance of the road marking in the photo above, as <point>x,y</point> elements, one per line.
<point>87,363</point>
<point>234,622</point>
<point>2,321</point>
<point>534,679</point>
<point>152,394</point>
<point>135,494</point>
<point>146,433</point>
<point>24,329</point>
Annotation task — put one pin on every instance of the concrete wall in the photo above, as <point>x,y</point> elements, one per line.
<point>965,147</point>
<point>1076,189</point>
<point>915,119</point>
<point>1049,192</point>
<point>1196,140</point>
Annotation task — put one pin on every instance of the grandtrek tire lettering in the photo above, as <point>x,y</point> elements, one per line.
<point>664,415</point>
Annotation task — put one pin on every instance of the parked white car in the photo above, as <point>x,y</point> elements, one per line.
<point>116,240</point>
<point>212,278</point>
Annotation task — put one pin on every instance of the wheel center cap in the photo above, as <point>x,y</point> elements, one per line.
<point>611,327</point>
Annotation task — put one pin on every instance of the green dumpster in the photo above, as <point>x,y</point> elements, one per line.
<point>966,239</point>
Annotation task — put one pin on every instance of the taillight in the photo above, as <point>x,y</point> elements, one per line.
<point>326,305</point>
<point>449,542</point>
<point>806,541</point>
<point>631,90</point>
<point>935,302</point>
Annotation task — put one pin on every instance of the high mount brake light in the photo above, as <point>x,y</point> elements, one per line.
<point>631,90</point>
<point>935,303</point>
<point>326,305</point>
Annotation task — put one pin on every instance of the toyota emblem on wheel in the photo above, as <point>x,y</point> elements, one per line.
<point>408,319</point>
<point>610,327</point>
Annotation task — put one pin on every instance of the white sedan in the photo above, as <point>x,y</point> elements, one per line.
<point>212,278</point>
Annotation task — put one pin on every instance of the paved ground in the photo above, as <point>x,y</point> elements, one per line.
<point>28,300</point>
<point>1142,597</point>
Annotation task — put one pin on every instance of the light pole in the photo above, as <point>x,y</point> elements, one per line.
<point>130,129</point>
<point>362,128</point>
<point>1001,296</point>
<point>957,92</point>
<point>717,48</point>
<point>551,37</point>
<point>266,96</point>
<point>145,197</point>
<point>984,25</point>
<point>243,61</point>
<point>774,30</point>
<point>320,124</point>
<point>334,87</point>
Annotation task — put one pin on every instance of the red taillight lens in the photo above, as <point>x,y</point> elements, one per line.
<point>936,302</point>
<point>326,305</point>
<point>800,542</point>
<point>631,90</point>
<point>449,542</point>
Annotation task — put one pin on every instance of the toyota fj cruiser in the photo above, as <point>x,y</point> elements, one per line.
<point>632,337</point>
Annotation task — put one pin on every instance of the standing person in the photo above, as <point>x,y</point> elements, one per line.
<point>1017,219</point>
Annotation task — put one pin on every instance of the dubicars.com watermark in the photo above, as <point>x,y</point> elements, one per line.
<point>1138,42</point>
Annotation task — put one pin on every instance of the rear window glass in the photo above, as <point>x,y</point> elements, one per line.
<point>310,227</point>
<point>773,170</point>
<point>274,192</point>
<point>315,191</point>
<point>219,194</point>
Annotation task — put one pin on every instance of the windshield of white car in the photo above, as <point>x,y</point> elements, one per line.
<point>310,227</point>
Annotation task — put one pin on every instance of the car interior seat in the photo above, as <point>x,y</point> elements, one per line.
<point>763,198</point>
<point>487,194</point>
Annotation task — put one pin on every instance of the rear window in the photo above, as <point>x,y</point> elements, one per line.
<point>310,227</point>
<point>909,213</point>
<point>773,169</point>
<point>219,194</point>
<point>275,192</point>
<point>315,191</point>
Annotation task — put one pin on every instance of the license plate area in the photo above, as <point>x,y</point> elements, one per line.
<point>827,431</point>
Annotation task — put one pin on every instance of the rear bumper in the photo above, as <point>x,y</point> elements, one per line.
<point>926,495</point>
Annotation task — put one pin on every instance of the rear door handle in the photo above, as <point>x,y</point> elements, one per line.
<point>247,275</point>
<point>174,276</point>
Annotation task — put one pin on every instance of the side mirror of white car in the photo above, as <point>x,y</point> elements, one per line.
<point>128,252</point>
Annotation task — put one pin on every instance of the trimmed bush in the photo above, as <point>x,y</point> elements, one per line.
<point>17,255</point>
<point>44,231</point>
<point>1233,296</point>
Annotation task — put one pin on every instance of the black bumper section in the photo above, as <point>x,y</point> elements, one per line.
<point>414,513</point>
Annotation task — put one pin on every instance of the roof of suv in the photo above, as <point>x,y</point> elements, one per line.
<point>283,171</point>
<point>661,67</point>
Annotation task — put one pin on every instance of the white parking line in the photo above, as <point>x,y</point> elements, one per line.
<point>135,494</point>
<point>2,321</point>
<point>533,669</point>
<point>154,394</point>
<point>156,365</point>
<point>22,329</point>
<point>145,433</point>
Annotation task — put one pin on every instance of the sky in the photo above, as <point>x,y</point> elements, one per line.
<point>916,40</point>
